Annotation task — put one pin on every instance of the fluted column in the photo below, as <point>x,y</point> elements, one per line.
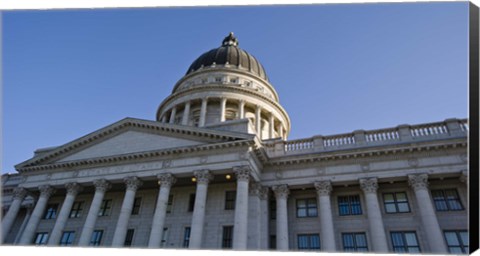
<point>223,104</point>
<point>281,195</point>
<point>72,190</point>
<point>241,109</point>
<point>19,194</point>
<point>241,208</point>
<point>435,239</point>
<point>196,235</point>
<point>203,112</point>
<point>101,186</point>
<point>186,113</point>
<point>45,193</point>
<point>324,188</point>
<point>271,126</point>
<point>173,113</point>
<point>132,184</point>
<point>264,218</point>
<point>375,221</point>
<point>165,181</point>
<point>258,121</point>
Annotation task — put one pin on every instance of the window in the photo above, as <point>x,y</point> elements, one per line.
<point>405,242</point>
<point>349,205</point>
<point>306,207</point>
<point>273,208</point>
<point>234,80</point>
<point>446,200</point>
<point>227,237</point>
<point>309,242</point>
<point>457,241</point>
<point>136,205</point>
<point>129,237</point>
<point>230,114</point>
<point>273,242</point>
<point>186,237</point>
<point>170,204</point>
<point>67,238</point>
<point>218,79</point>
<point>51,211</point>
<point>354,242</point>
<point>395,202</point>
<point>96,238</point>
<point>191,203</point>
<point>77,209</point>
<point>230,200</point>
<point>163,243</point>
<point>41,238</point>
<point>105,208</point>
<point>204,80</point>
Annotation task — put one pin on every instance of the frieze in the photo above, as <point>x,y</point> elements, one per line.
<point>412,162</point>
<point>365,167</point>
<point>464,176</point>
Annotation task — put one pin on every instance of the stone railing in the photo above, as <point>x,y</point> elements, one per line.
<point>361,138</point>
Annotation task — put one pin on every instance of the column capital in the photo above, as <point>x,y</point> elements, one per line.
<point>323,187</point>
<point>254,188</point>
<point>369,185</point>
<point>132,183</point>
<point>281,191</point>
<point>166,179</point>
<point>19,193</point>
<point>73,188</point>
<point>241,102</point>
<point>46,190</point>
<point>203,176</point>
<point>418,181</point>
<point>102,185</point>
<point>242,172</point>
<point>263,193</point>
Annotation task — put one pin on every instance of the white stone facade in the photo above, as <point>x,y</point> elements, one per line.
<point>216,171</point>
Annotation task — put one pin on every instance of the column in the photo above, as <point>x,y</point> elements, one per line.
<point>203,112</point>
<point>132,184</point>
<point>324,188</point>
<point>241,109</point>
<point>29,209</point>
<point>281,195</point>
<point>165,181</point>
<point>435,239</point>
<point>45,193</point>
<point>223,104</point>
<point>164,118</point>
<point>172,115</point>
<point>101,186</point>
<point>241,208</point>
<point>19,194</point>
<point>72,190</point>
<point>258,121</point>
<point>264,218</point>
<point>271,127</point>
<point>254,238</point>
<point>186,113</point>
<point>196,235</point>
<point>375,221</point>
<point>280,130</point>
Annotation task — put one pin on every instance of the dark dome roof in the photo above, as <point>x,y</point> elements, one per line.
<point>231,53</point>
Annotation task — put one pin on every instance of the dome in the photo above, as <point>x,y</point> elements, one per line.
<point>229,53</point>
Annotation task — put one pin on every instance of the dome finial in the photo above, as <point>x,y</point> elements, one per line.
<point>230,40</point>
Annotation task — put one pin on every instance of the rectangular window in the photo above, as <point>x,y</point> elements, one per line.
<point>457,241</point>
<point>67,238</point>
<point>96,238</point>
<point>76,211</point>
<point>170,204</point>
<point>354,242</point>
<point>405,242</point>
<point>186,237</point>
<point>307,207</point>
<point>41,238</point>
<point>105,208</point>
<point>51,211</point>
<point>308,242</point>
<point>395,202</point>
<point>273,208</point>
<point>273,242</point>
<point>191,203</point>
<point>230,200</point>
<point>163,243</point>
<point>136,205</point>
<point>349,205</point>
<point>446,200</point>
<point>227,237</point>
<point>129,237</point>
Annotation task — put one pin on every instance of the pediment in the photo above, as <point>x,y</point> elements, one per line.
<point>131,136</point>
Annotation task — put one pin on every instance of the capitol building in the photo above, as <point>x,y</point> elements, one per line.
<point>216,170</point>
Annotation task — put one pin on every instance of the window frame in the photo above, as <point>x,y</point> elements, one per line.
<point>137,204</point>
<point>395,202</point>
<point>355,247</point>
<point>170,203</point>
<point>191,202</point>
<point>129,237</point>
<point>350,204</point>
<point>307,207</point>
<point>77,209</point>
<point>227,237</point>
<point>405,247</point>
<point>96,238</point>
<point>186,236</point>
<point>230,199</point>
<point>310,245</point>
<point>51,211</point>
<point>43,238</point>
<point>67,239</point>
<point>464,248</point>
<point>105,208</point>
<point>445,200</point>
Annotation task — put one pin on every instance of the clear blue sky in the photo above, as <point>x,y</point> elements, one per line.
<point>337,68</point>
